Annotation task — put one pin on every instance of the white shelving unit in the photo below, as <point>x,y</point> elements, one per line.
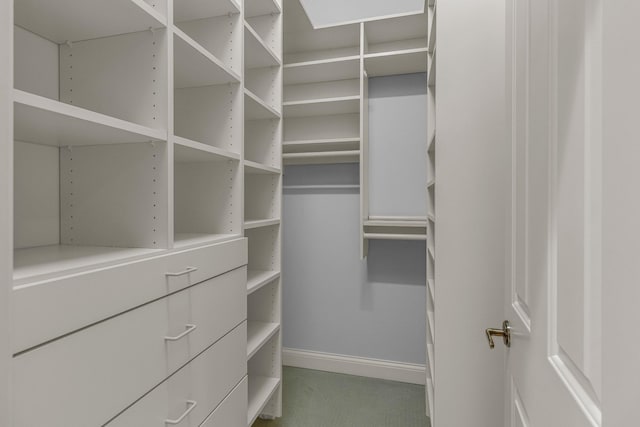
<point>262,167</point>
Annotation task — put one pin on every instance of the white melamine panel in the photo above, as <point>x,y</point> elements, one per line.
<point>321,157</point>
<point>256,279</point>
<point>262,142</point>
<point>262,197</point>
<point>322,90</point>
<point>264,248</point>
<point>322,127</point>
<point>394,29</point>
<point>261,7</point>
<point>265,373</point>
<point>233,409</point>
<point>76,20</point>
<point>322,145</point>
<point>397,46</point>
<point>86,297</point>
<point>194,66</point>
<point>266,84</point>
<point>397,62</point>
<point>35,64</point>
<point>128,353</point>
<point>206,381</point>
<point>264,304</point>
<point>302,46</point>
<point>322,107</point>
<point>258,333</point>
<point>261,389</point>
<point>257,52</point>
<point>257,109</point>
<point>211,115</point>
<point>222,36</point>
<point>187,151</point>
<point>254,168</point>
<point>122,76</point>
<point>112,195</point>
<point>44,121</point>
<point>36,195</point>
<point>207,197</point>
<point>188,10</point>
<point>322,71</point>
<point>269,28</point>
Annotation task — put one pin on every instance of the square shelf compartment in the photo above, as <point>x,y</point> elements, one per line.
<point>264,249</point>
<point>304,44</point>
<point>262,199</point>
<point>262,145</point>
<point>120,76</point>
<point>264,33</point>
<point>265,376</point>
<point>207,192</point>
<point>263,313</point>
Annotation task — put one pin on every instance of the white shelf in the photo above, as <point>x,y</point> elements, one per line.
<point>194,66</point>
<point>188,10</point>
<point>44,121</point>
<point>388,32</point>
<point>257,54</point>
<point>431,252</point>
<point>261,389</point>
<point>431,284</point>
<point>430,362</point>
<point>44,262</point>
<point>75,20</point>
<point>261,7</point>
<point>256,109</point>
<point>431,321</point>
<point>431,146</point>
<point>321,157</point>
<point>396,223</point>
<point>255,168</point>
<point>186,150</point>
<point>432,31</point>
<point>324,70</point>
<point>185,240</point>
<point>396,62</point>
<point>322,107</point>
<point>256,279</point>
<point>431,82</point>
<point>257,223</point>
<point>319,145</point>
<point>258,333</point>
<point>395,236</point>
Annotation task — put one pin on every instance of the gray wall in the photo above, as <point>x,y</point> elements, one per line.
<point>332,301</point>
<point>331,12</point>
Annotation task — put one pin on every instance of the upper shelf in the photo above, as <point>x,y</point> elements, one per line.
<point>323,70</point>
<point>257,53</point>
<point>336,42</point>
<point>254,168</point>
<point>322,107</point>
<point>396,62</point>
<point>256,109</point>
<point>188,151</point>
<point>195,66</point>
<point>261,7</point>
<point>392,31</point>
<point>318,145</point>
<point>188,10</point>
<point>44,121</point>
<point>74,20</point>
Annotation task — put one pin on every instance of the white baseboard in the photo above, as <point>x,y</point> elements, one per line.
<point>372,368</point>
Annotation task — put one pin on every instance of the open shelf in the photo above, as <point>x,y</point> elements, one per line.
<point>401,33</point>
<point>262,200</point>
<point>258,333</point>
<point>396,222</point>
<point>323,70</point>
<point>188,10</point>
<point>322,157</point>
<point>261,389</point>
<point>73,20</point>
<point>44,121</point>
<point>396,62</point>
<point>254,8</point>
<point>194,66</point>
<point>304,45</point>
<point>319,145</point>
<point>322,107</point>
<point>257,54</point>
<point>254,168</point>
<point>256,279</point>
<point>186,240</point>
<point>257,223</point>
<point>186,150</point>
<point>395,228</point>
<point>256,109</point>
<point>397,236</point>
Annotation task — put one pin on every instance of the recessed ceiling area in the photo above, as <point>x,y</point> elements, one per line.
<point>325,13</point>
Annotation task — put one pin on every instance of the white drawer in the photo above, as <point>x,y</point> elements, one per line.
<point>52,308</point>
<point>86,378</point>
<point>198,388</point>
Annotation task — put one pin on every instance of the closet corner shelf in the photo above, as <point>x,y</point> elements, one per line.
<point>322,106</point>
<point>258,333</point>
<point>322,157</point>
<point>261,7</point>
<point>186,150</point>
<point>323,70</point>
<point>256,279</point>
<point>261,389</point>
<point>396,62</point>
<point>188,240</point>
<point>256,109</point>
<point>195,66</point>
<point>257,223</point>
<point>189,10</point>
<point>257,53</point>
<point>46,121</point>
<point>76,20</point>
<point>255,168</point>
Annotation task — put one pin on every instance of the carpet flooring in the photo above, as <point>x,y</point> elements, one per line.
<point>322,399</point>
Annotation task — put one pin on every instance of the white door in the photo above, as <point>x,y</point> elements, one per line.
<point>553,302</point>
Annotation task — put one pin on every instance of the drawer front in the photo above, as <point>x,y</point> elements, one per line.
<point>205,381</point>
<point>86,378</point>
<point>53,308</point>
<point>232,412</point>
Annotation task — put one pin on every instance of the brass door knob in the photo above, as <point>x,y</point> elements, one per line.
<point>505,333</point>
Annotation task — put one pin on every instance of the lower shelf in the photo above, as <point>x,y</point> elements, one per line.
<point>259,333</point>
<point>184,240</point>
<point>48,261</point>
<point>321,157</point>
<point>261,389</point>
<point>258,278</point>
<point>395,236</point>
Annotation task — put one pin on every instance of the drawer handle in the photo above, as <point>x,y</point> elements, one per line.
<point>190,328</point>
<point>192,404</point>
<point>183,272</point>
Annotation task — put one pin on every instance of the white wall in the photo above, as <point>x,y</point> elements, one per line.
<point>332,12</point>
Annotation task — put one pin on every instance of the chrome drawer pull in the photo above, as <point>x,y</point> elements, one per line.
<point>192,404</point>
<point>183,272</point>
<point>190,328</point>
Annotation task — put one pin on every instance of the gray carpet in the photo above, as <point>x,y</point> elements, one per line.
<point>321,399</point>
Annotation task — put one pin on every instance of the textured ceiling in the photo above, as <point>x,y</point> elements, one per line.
<point>323,13</point>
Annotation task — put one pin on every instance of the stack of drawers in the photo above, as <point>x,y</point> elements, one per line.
<point>155,342</point>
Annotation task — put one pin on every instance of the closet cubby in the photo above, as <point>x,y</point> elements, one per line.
<point>207,196</point>
<point>262,198</point>
<point>265,373</point>
<point>262,146</point>
<point>263,313</point>
<point>304,44</point>
<point>264,249</point>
